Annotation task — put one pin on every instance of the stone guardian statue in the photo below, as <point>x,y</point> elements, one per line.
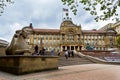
<point>18,45</point>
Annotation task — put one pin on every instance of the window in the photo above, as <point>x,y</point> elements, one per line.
<point>54,37</point>
<point>57,36</point>
<point>34,36</point>
<point>81,37</point>
<point>46,37</point>
<point>50,37</point>
<point>35,41</point>
<point>63,36</point>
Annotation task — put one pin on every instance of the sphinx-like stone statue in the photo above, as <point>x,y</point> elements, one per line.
<point>18,45</point>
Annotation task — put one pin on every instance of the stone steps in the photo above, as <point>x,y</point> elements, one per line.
<point>73,61</point>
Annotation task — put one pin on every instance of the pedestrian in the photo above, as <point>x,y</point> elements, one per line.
<point>43,51</point>
<point>52,52</point>
<point>36,49</point>
<point>66,54</point>
<point>72,53</point>
<point>58,53</point>
<point>40,52</point>
<point>69,53</point>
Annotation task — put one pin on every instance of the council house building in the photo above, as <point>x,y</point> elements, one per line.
<point>72,37</point>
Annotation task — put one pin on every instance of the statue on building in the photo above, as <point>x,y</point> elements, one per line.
<point>89,47</point>
<point>18,45</point>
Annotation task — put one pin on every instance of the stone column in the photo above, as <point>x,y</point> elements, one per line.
<point>78,48</point>
<point>65,47</point>
<point>70,47</point>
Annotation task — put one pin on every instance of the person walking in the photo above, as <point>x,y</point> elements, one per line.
<point>66,54</point>
<point>52,52</point>
<point>36,49</point>
<point>43,51</point>
<point>72,53</point>
<point>58,52</point>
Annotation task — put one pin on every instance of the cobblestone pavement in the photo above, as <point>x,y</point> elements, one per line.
<point>75,72</point>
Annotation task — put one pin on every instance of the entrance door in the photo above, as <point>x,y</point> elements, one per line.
<point>68,48</point>
<point>63,48</point>
<point>80,47</point>
<point>76,47</point>
<point>72,47</point>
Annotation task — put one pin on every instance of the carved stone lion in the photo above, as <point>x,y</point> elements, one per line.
<point>18,45</point>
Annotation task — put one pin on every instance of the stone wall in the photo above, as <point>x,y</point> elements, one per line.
<point>2,51</point>
<point>96,53</point>
<point>27,64</point>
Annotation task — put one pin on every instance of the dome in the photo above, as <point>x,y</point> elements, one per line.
<point>110,30</point>
<point>67,23</point>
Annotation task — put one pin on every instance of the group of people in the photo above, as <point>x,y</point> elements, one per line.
<point>41,51</point>
<point>38,52</point>
<point>69,54</point>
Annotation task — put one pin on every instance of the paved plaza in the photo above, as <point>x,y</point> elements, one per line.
<point>75,72</point>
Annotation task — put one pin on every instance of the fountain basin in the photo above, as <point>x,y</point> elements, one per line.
<point>21,64</point>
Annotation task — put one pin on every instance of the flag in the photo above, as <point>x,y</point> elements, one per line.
<point>64,9</point>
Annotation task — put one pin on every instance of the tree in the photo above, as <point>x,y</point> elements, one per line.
<point>107,7</point>
<point>3,4</point>
<point>118,40</point>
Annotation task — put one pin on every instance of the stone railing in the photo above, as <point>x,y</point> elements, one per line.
<point>102,54</point>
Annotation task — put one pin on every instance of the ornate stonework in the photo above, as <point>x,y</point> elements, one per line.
<point>70,36</point>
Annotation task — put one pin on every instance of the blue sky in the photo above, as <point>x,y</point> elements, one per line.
<point>42,14</point>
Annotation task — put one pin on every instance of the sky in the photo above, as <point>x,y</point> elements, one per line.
<point>42,14</point>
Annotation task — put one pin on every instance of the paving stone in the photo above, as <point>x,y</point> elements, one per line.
<point>74,72</point>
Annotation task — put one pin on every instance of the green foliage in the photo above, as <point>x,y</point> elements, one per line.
<point>107,7</point>
<point>3,4</point>
<point>118,40</point>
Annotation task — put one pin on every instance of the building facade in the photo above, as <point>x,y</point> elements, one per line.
<point>3,43</point>
<point>116,27</point>
<point>72,37</point>
<point>109,25</point>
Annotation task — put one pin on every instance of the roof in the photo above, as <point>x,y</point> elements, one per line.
<point>111,30</point>
<point>3,42</point>
<point>109,25</point>
<point>93,31</point>
<point>67,23</point>
<point>47,30</point>
<point>58,30</point>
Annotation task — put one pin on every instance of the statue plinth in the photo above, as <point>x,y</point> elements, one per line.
<point>21,64</point>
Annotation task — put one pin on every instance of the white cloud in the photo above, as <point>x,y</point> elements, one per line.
<point>43,14</point>
<point>9,30</point>
<point>15,26</point>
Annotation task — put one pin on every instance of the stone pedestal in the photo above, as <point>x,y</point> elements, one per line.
<point>17,64</point>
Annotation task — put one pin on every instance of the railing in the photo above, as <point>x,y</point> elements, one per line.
<point>107,55</point>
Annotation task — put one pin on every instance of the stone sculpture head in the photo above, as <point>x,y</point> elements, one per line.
<point>18,44</point>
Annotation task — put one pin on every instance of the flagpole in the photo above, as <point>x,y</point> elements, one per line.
<point>65,12</point>
<point>62,14</point>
